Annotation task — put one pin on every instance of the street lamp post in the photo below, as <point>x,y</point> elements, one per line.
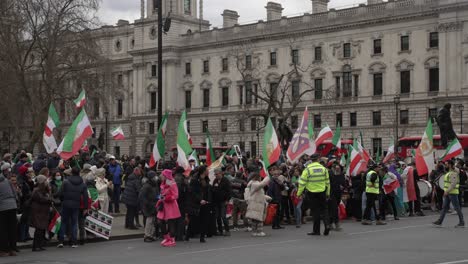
<point>160,64</point>
<point>461,107</point>
<point>106,116</point>
<point>396,101</point>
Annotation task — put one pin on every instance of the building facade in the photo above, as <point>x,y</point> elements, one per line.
<point>356,61</point>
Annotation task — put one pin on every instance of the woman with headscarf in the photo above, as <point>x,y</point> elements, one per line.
<point>168,209</point>
<point>103,186</point>
<point>198,211</point>
<point>40,205</point>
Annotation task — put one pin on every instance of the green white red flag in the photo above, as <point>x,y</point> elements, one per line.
<point>184,147</point>
<point>271,148</point>
<point>312,146</point>
<point>355,162</point>
<point>336,140</point>
<point>55,224</point>
<point>48,137</point>
<point>117,133</point>
<point>390,154</point>
<point>425,152</point>
<point>453,150</point>
<point>159,147</point>
<point>81,100</point>
<point>209,150</point>
<point>79,131</point>
<point>390,183</point>
<point>325,133</point>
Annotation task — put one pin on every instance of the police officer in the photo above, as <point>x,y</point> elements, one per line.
<point>372,195</point>
<point>315,183</point>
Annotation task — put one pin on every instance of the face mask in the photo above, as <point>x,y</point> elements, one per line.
<point>58,178</point>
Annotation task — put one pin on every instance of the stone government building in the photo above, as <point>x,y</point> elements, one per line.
<point>367,54</point>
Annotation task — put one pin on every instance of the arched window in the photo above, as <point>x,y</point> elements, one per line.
<point>188,7</point>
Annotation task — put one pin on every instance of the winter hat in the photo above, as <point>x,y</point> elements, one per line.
<point>41,179</point>
<point>168,174</point>
<point>93,169</point>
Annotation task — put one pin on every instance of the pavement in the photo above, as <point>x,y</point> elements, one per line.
<point>410,240</point>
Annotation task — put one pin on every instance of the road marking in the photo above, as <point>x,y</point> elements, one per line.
<point>238,247</point>
<point>386,230</point>
<point>455,262</point>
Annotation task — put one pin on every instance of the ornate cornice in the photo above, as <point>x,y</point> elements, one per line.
<point>450,26</point>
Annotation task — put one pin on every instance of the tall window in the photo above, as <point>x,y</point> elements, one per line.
<point>318,54</point>
<point>225,96</point>
<point>206,98</point>
<point>347,84</point>
<point>434,40</point>
<point>151,128</point>
<point>295,90</point>
<point>404,43</point>
<point>376,145</point>
<point>205,126</point>
<point>378,84</point>
<point>153,101</point>
<point>318,89</point>
<point>248,62</point>
<point>339,119</point>
<point>273,58</point>
<point>295,56</point>
<point>188,68</point>
<point>352,119</point>
<point>434,79</point>
<point>225,64</point>
<point>347,50</point>
<point>188,99</point>
<point>253,124</point>
<point>404,117</point>
<point>356,85</point>
<point>224,125</point>
<point>317,121</point>
<point>248,93</point>
<point>377,46</point>
<point>432,113</point>
<point>376,118</point>
<point>188,7</point>
<point>119,107</point>
<point>405,82</point>
<point>253,148</point>
<point>294,122</point>
<point>241,94</point>
<point>154,71</point>
<point>206,66</point>
<point>338,86</point>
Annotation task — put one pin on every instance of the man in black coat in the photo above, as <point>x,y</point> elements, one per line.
<point>72,193</point>
<point>130,197</point>
<point>182,201</point>
<point>222,191</point>
<point>148,198</point>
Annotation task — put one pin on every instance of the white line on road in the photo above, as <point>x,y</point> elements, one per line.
<point>237,247</point>
<point>386,230</point>
<point>455,262</point>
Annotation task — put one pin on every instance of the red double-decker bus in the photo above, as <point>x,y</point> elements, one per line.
<point>327,148</point>
<point>406,145</point>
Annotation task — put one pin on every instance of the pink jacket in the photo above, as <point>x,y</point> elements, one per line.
<point>170,206</point>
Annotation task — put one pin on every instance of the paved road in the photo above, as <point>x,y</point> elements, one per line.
<point>410,240</point>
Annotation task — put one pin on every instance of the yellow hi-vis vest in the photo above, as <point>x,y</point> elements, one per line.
<point>315,178</point>
<point>372,188</point>
<point>447,183</point>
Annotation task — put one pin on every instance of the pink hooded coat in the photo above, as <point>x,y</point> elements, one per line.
<point>170,193</point>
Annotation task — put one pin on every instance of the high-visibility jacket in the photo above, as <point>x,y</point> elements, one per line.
<point>372,187</point>
<point>314,179</point>
<point>448,183</point>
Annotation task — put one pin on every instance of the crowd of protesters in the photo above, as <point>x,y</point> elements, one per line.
<point>178,207</point>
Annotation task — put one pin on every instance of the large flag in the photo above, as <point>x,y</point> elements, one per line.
<point>271,148</point>
<point>182,161</point>
<point>160,147</point>
<point>79,131</point>
<point>425,152</point>
<point>81,100</point>
<point>312,147</point>
<point>410,193</point>
<point>355,162</point>
<point>218,164</point>
<point>390,154</point>
<point>117,133</point>
<point>390,183</point>
<point>325,133</point>
<point>209,150</point>
<point>453,150</point>
<point>48,137</point>
<point>365,155</point>
<point>55,224</point>
<point>337,137</point>
<point>184,147</point>
<point>300,142</point>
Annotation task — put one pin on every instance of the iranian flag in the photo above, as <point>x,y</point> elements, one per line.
<point>77,134</point>
<point>184,147</point>
<point>390,183</point>
<point>81,100</point>
<point>425,152</point>
<point>160,147</point>
<point>55,224</point>
<point>217,164</point>
<point>337,137</point>
<point>264,170</point>
<point>355,162</point>
<point>390,154</point>
<point>118,133</point>
<point>365,155</point>
<point>325,133</point>
<point>271,148</point>
<point>48,137</point>
<point>453,150</point>
<point>209,150</point>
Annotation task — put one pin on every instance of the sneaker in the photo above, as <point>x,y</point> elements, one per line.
<point>235,229</point>
<point>248,229</point>
<point>60,245</point>
<point>437,224</point>
<point>74,246</point>
<point>460,226</point>
<point>261,234</point>
<point>254,234</point>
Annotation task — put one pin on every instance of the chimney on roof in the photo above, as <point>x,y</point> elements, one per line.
<point>274,11</point>
<point>319,6</point>
<point>230,18</point>
<point>373,2</point>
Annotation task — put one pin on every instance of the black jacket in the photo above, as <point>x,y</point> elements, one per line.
<point>183,187</point>
<point>73,191</point>
<point>221,190</point>
<point>148,198</point>
<point>197,192</point>
<point>132,190</point>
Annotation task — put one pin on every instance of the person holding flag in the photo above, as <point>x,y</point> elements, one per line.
<point>315,183</point>
<point>390,184</point>
<point>372,195</point>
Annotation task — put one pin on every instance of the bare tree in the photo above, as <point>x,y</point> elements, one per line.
<point>46,50</point>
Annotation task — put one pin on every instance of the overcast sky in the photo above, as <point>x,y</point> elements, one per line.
<point>249,10</point>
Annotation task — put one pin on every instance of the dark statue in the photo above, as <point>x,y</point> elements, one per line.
<point>285,135</point>
<point>444,121</point>
<point>101,139</point>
